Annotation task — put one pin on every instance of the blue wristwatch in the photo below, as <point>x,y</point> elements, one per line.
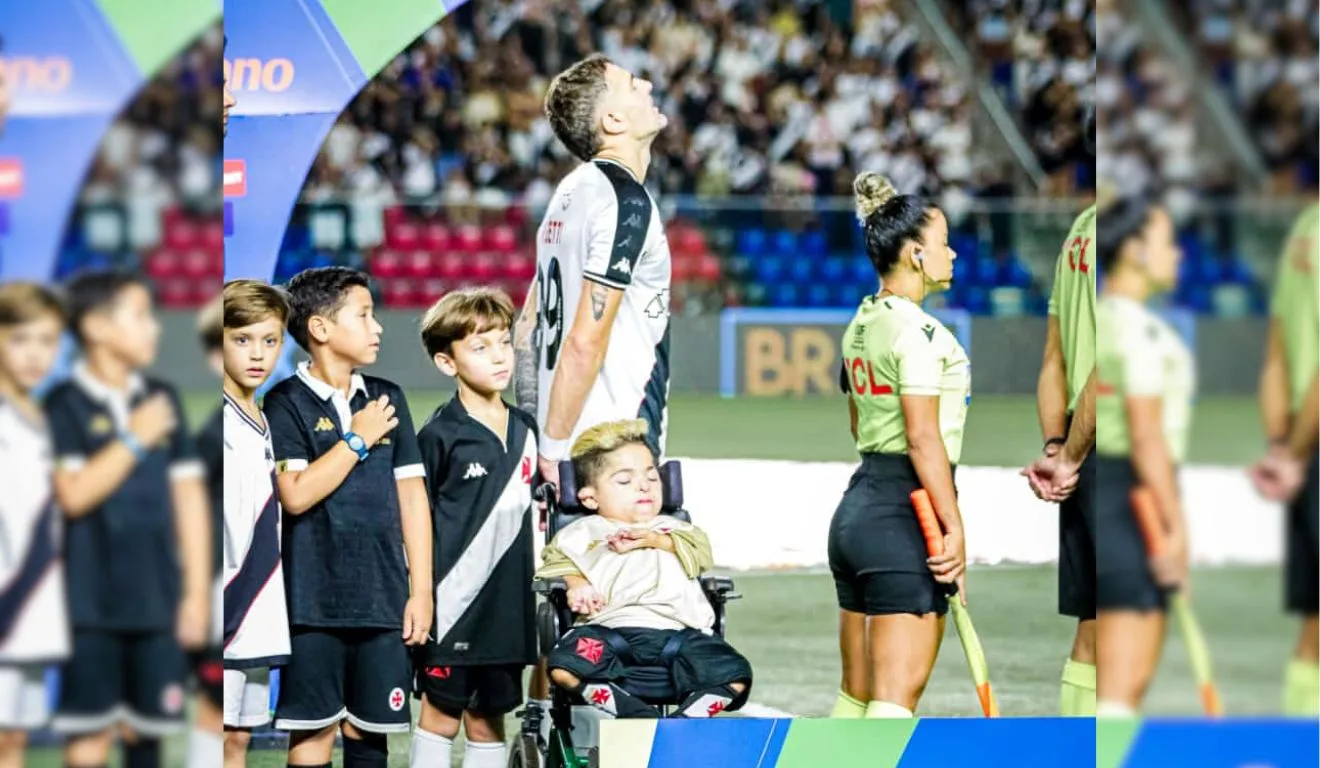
<point>357,444</point>
<point>131,442</point>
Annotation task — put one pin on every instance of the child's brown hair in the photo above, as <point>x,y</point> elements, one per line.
<point>23,302</point>
<point>460,314</point>
<point>247,302</point>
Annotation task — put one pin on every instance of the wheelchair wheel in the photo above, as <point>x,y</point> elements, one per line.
<point>525,753</point>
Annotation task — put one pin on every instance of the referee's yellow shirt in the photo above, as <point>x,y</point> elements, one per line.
<point>1072,301</point>
<point>1296,303</point>
<point>892,347</point>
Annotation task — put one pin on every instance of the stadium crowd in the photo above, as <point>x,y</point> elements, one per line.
<point>764,97</point>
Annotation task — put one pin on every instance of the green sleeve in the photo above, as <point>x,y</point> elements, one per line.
<point>555,564</point>
<point>692,547</point>
<point>1054,289</point>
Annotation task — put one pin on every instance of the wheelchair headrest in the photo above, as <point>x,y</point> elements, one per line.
<point>671,485</point>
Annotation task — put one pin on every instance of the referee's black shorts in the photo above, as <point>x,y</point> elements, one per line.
<point>1077,537</point>
<point>877,553</point>
<point>1302,549</point>
<point>1124,581</point>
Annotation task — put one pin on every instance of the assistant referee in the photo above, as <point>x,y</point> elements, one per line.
<point>908,382</point>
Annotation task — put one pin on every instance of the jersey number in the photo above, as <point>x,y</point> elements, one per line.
<point>550,290</point>
<point>1077,254</point>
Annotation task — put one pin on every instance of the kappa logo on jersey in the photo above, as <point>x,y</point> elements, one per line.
<point>474,470</point>
<point>633,222</point>
<point>324,424</point>
<point>527,469</point>
<point>100,425</point>
<point>397,699</point>
<point>590,649</point>
<point>623,266</point>
<point>635,202</point>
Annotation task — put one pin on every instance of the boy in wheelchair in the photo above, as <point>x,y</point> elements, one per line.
<point>633,584</point>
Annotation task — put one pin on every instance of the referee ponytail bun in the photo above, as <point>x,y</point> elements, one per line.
<point>889,220</point>
<point>872,191</point>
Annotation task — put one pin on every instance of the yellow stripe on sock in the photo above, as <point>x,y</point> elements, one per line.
<point>848,708</point>
<point>1301,697</point>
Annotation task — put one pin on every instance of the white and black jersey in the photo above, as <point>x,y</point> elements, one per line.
<point>34,623</point>
<point>480,487</point>
<point>603,226</point>
<point>256,621</point>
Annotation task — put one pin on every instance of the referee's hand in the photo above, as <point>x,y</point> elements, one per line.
<point>950,566</point>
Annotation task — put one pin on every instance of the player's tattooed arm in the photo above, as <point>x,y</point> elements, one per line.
<point>525,354</point>
<point>598,296</point>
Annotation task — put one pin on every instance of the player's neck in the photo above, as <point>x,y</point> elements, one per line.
<point>245,398</point>
<point>107,368</point>
<point>489,408</point>
<point>21,398</point>
<point>1128,284</point>
<point>637,160</point>
<point>333,370</point>
<point>907,285</point>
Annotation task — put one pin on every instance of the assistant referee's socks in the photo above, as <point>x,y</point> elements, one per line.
<point>483,755</point>
<point>1301,689</point>
<point>884,710</point>
<point>847,707</point>
<point>430,749</point>
<point>1114,709</point>
<point>1077,697</point>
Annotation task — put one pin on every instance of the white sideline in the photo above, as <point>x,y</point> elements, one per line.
<point>751,709</point>
<point>776,514</point>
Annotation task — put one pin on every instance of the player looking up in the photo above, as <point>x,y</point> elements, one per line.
<point>908,382</point>
<point>1290,472</point>
<point>601,297</point>
<point>1145,380</point>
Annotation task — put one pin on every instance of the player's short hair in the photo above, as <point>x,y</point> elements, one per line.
<point>23,302</point>
<point>319,292</point>
<point>1121,219</point>
<point>96,291</point>
<point>459,314</point>
<point>247,302</point>
<point>592,448</point>
<point>889,220</point>
<point>572,102</point>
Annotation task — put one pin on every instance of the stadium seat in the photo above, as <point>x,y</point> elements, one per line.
<point>436,238</point>
<point>213,236</point>
<point>195,264</point>
<point>985,272</point>
<point>786,296</point>
<point>501,239</point>
<point>863,270</point>
<point>819,296</point>
<point>768,269</point>
<point>685,238</point>
<point>684,268</point>
<point>1014,273</point>
<point>785,243</point>
<point>467,239</point>
<point>833,269</point>
<point>709,269</point>
<point>752,242</point>
<point>756,295</point>
<point>451,266</point>
<point>418,265</point>
<point>430,292</point>
<point>814,243</point>
<point>386,264</point>
<point>398,292</point>
<point>404,236</point>
<point>175,293</point>
<point>181,235</point>
<point>163,263</point>
<point>393,216</point>
<point>483,267</point>
<point>518,266</point>
<point>801,269</point>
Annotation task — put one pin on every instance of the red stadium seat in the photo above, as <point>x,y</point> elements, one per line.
<point>181,235</point>
<point>398,292</point>
<point>162,263</point>
<point>468,239</point>
<point>387,264</point>
<point>709,268</point>
<point>418,265</point>
<point>687,239</point>
<point>175,293</point>
<point>519,266</point>
<point>451,266</point>
<point>394,216</point>
<point>403,236</point>
<point>437,238</point>
<point>196,263</point>
<point>483,267</point>
<point>501,239</point>
<point>203,291</point>
<point>213,236</point>
<point>684,267</point>
<point>431,292</point>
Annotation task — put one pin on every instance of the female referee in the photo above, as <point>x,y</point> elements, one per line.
<point>908,381</point>
<point>1145,378</point>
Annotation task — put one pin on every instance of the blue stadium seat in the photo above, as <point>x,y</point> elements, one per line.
<point>833,269</point>
<point>814,243</point>
<point>962,270</point>
<point>785,243</point>
<point>317,259</point>
<point>976,300</point>
<point>819,296</point>
<point>986,272</point>
<point>768,269</point>
<point>862,269</point>
<point>964,244</point>
<point>1014,273</point>
<point>801,268</point>
<point>1198,298</point>
<point>752,242</point>
<point>755,295</point>
<point>786,295</point>
<point>1237,271</point>
<point>848,295</point>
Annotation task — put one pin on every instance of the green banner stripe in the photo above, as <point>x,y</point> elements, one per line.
<point>1113,740</point>
<point>154,31</point>
<point>377,32</point>
<point>813,743</point>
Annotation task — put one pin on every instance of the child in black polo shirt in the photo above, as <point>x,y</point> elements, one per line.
<point>480,458</point>
<point>351,482</point>
<point>130,486</point>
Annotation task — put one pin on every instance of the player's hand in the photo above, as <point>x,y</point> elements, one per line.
<point>418,613</point>
<point>375,421</point>
<point>549,471</point>
<point>192,621</point>
<point>153,420</point>
<point>585,600</point>
<point>1170,569</point>
<point>1052,477</point>
<point>949,566</point>
<point>1278,476</point>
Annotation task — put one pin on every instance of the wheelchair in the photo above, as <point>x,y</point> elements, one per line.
<point>554,619</point>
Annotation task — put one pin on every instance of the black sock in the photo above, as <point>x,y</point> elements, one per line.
<point>370,751</point>
<point>616,701</point>
<point>144,753</point>
<point>707,702</point>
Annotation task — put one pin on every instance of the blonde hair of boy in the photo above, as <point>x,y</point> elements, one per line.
<point>594,445</point>
<point>460,314</point>
<point>247,302</point>
<point>23,302</point>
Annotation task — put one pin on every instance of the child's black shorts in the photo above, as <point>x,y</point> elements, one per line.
<point>113,677</point>
<point>1077,552</point>
<point>209,669</point>
<point>876,551</point>
<point>486,689</point>
<point>701,662</point>
<point>360,675</point>
<point>1302,558</point>
<point>1124,581</point>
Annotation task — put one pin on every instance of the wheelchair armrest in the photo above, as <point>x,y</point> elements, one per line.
<point>719,588</point>
<point>554,590</point>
